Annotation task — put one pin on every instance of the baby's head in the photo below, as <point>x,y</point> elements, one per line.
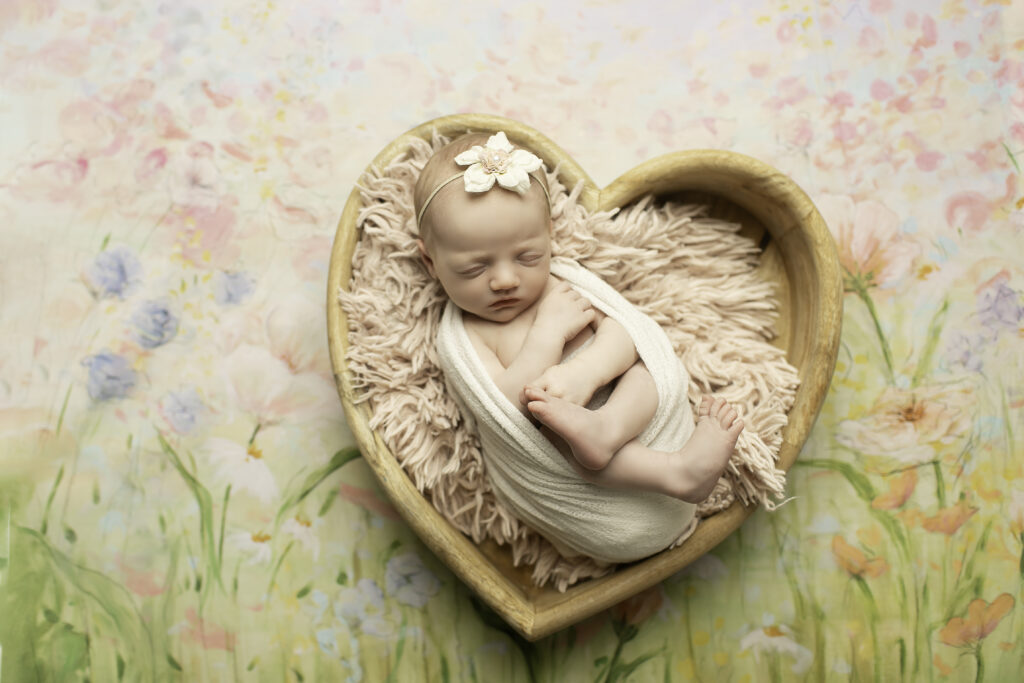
<point>491,249</point>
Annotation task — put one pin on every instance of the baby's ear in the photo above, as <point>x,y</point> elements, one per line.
<point>427,261</point>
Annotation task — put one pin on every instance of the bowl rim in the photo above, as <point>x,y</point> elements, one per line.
<point>545,611</point>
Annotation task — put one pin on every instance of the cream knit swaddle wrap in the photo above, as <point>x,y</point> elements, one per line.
<point>534,480</point>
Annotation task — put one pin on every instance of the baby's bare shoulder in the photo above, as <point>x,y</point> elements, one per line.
<point>481,330</point>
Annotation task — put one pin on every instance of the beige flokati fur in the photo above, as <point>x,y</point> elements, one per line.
<point>692,274</point>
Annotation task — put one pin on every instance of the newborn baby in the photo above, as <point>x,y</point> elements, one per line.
<point>485,235</point>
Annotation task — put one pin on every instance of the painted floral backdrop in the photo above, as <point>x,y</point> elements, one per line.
<point>179,495</point>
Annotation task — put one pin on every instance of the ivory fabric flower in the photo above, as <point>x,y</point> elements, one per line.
<point>497,160</point>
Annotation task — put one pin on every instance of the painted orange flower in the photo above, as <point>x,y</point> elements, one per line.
<point>949,520</point>
<point>856,562</point>
<point>636,609</point>
<point>982,619</point>
<point>899,491</point>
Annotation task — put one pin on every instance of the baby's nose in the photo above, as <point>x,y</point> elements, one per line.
<point>504,277</point>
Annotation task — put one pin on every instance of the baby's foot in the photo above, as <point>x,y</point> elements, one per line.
<point>703,458</point>
<point>592,439</point>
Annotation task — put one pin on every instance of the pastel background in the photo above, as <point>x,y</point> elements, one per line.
<point>178,495</point>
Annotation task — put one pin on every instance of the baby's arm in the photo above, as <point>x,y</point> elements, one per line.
<point>610,354</point>
<point>560,317</point>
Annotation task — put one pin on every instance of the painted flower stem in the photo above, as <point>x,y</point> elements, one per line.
<point>940,484</point>
<point>1021,564</point>
<point>860,289</point>
<point>980,672</point>
<point>872,623</point>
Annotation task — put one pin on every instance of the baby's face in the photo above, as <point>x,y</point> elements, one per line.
<point>490,251</point>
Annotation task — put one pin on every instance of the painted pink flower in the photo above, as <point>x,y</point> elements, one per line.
<point>54,180</point>
<point>90,127</point>
<point>205,234</point>
<point>28,11</point>
<point>296,330</point>
<point>211,637</point>
<point>871,247</point>
<point>65,56</point>
<point>146,584</point>
<point>369,500</point>
<point>797,132</point>
<point>196,181</point>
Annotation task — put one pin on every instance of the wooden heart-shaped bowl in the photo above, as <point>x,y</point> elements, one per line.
<point>798,254</point>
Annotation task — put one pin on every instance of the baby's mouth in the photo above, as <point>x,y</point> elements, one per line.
<point>502,303</point>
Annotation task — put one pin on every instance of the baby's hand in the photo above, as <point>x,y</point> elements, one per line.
<point>560,381</point>
<point>563,313</point>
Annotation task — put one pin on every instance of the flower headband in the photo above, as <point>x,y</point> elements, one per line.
<point>498,161</point>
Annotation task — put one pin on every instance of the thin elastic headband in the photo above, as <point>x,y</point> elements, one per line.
<point>419,216</point>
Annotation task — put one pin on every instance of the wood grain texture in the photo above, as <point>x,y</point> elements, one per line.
<point>798,254</point>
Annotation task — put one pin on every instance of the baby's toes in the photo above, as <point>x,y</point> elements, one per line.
<point>705,406</point>
<point>736,428</point>
<point>728,416</point>
<point>716,408</point>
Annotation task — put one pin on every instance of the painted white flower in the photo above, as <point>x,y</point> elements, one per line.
<point>256,546</point>
<point>302,530</point>
<point>243,467</point>
<point>362,608</point>
<point>409,581</point>
<point>497,160</point>
<point>778,639</point>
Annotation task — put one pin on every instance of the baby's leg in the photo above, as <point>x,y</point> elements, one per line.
<point>689,473</point>
<point>595,435</point>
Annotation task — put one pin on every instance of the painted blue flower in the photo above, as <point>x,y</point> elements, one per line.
<point>1000,307</point>
<point>409,581</point>
<point>110,376</point>
<point>963,350</point>
<point>362,608</point>
<point>155,325</point>
<point>232,288</point>
<point>182,409</point>
<point>114,272</point>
